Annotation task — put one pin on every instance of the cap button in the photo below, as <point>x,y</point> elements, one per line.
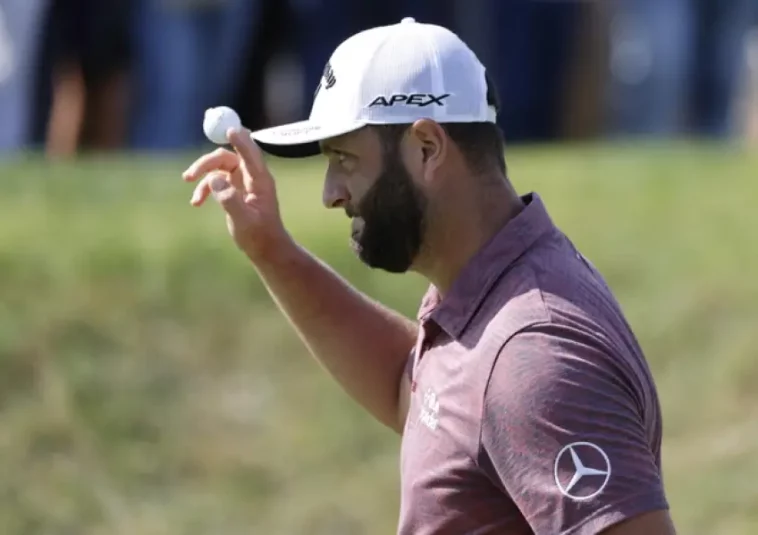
<point>407,20</point>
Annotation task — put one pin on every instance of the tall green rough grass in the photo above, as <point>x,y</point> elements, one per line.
<point>148,386</point>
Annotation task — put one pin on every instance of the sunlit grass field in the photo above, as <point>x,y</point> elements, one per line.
<point>149,387</point>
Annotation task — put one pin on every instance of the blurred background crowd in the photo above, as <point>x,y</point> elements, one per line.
<point>138,74</point>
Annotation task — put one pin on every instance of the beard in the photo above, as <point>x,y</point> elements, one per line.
<point>388,230</point>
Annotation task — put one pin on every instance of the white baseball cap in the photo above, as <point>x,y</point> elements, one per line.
<point>392,74</point>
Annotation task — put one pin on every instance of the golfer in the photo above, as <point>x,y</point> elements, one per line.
<point>524,401</point>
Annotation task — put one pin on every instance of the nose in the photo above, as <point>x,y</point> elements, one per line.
<point>335,194</point>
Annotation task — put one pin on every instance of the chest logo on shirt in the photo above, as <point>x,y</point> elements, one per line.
<point>429,414</point>
<point>582,470</point>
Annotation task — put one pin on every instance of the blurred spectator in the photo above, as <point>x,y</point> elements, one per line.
<point>676,65</point>
<point>140,73</point>
<point>82,90</point>
<point>321,25</point>
<point>748,110</point>
<point>273,33</point>
<point>189,55</point>
<point>527,46</point>
<point>582,109</point>
<point>20,29</point>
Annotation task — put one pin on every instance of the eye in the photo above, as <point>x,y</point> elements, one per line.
<point>345,161</point>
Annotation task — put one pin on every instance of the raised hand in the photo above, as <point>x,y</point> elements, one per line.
<point>242,184</point>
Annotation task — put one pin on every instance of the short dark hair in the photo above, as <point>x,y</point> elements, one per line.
<point>482,144</point>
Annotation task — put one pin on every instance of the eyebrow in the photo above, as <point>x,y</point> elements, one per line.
<point>328,149</point>
<point>334,146</point>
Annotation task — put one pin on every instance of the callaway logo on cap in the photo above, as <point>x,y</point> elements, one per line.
<point>389,75</point>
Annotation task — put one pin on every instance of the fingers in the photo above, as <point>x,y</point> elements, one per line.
<point>252,160</point>
<point>227,196</point>
<point>243,171</point>
<point>222,182</point>
<point>218,160</point>
<point>217,184</point>
<point>203,188</point>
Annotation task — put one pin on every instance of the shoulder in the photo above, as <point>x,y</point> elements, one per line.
<point>556,310</point>
<point>552,357</point>
<point>550,283</point>
<point>565,378</point>
<point>577,343</point>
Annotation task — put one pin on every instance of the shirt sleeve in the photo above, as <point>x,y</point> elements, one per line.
<point>564,435</point>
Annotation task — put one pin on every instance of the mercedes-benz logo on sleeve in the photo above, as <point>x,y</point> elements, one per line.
<point>581,470</point>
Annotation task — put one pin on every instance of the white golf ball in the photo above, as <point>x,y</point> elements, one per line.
<point>217,123</point>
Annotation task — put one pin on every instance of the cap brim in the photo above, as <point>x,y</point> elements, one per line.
<point>301,139</point>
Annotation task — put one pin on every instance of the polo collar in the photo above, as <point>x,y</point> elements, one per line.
<point>455,311</point>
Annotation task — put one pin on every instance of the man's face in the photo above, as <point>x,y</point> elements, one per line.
<point>387,208</point>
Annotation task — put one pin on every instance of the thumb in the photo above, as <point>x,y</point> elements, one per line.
<point>227,196</point>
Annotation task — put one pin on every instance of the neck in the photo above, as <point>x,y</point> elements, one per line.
<point>462,228</point>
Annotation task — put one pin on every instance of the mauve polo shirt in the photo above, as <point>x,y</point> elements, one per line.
<point>532,407</point>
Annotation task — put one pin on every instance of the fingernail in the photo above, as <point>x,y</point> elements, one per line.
<point>232,132</point>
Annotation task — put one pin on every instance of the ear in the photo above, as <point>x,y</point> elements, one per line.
<point>430,138</point>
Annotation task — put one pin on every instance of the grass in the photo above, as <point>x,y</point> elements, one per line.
<point>149,387</point>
